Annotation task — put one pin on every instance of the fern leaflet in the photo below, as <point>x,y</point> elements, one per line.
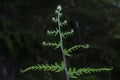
<point>66,34</point>
<point>76,47</point>
<point>74,73</point>
<point>53,32</point>
<point>53,67</point>
<point>51,44</point>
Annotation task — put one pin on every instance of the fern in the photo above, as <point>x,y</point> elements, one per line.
<point>70,72</point>
<point>74,73</point>
<point>53,32</point>
<point>76,47</point>
<point>51,44</point>
<point>53,67</point>
<point>66,34</point>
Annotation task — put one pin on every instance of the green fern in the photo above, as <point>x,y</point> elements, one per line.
<point>53,32</point>
<point>53,67</point>
<point>66,34</point>
<point>74,73</point>
<point>76,47</point>
<point>51,44</point>
<point>70,72</point>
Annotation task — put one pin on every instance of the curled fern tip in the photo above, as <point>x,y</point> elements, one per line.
<point>59,7</point>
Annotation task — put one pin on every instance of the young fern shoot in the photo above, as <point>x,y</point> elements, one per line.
<point>70,72</point>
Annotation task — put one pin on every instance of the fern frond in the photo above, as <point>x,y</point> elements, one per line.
<point>67,34</point>
<point>76,47</point>
<point>67,52</point>
<point>53,32</point>
<point>51,44</point>
<point>74,73</point>
<point>45,67</point>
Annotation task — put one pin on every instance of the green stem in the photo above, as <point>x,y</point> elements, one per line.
<point>62,48</point>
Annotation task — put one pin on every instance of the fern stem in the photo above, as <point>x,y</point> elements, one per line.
<point>62,48</point>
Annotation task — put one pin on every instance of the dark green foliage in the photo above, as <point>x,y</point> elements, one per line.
<point>91,77</point>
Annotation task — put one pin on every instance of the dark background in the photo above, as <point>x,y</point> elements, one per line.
<point>23,25</point>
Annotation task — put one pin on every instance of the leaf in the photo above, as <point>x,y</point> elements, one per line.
<point>67,34</point>
<point>76,47</point>
<point>53,32</point>
<point>46,67</point>
<point>51,44</point>
<point>73,72</point>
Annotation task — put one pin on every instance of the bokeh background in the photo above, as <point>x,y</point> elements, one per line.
<point>23,26</point>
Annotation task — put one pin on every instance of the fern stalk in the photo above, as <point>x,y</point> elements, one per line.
<point>61,44</point>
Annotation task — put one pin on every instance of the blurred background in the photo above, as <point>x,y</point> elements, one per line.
<point>23,26</point>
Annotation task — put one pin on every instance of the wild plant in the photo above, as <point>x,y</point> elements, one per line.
<point>71,72</point>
